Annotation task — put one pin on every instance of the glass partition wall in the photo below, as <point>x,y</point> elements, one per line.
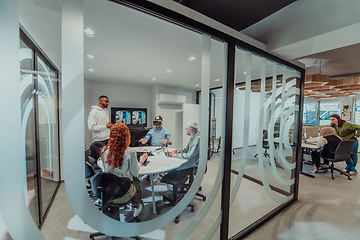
<point>40,126</point>
<point>264,139</point>
<point>245,174</point>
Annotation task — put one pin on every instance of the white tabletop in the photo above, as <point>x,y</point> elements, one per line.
<point>159,162</point>
<point>307,145</point>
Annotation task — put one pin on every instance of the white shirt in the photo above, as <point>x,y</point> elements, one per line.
<point>97,120</point>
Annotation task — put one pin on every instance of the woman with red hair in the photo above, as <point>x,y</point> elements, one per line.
<point>120,160</point>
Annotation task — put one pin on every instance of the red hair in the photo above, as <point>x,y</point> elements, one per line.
<point>119,140</point>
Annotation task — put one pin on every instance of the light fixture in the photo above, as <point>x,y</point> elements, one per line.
<point>192,58</point>
<point>217,80</point>
<point>168,71</point>
<point>197,85</point>
<point>244,72</point>
<point>91,70</point>
<point>91,57</point>
<point>89,32</point>
<point>154,79</point>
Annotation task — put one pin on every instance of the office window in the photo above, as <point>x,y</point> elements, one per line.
<point>309,113</point>
<point>327,109</point>
<point>357,112</point>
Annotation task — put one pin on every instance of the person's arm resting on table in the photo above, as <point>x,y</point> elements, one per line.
<point>191,149</point>
<point>321,143</point>
<point>167,139</point>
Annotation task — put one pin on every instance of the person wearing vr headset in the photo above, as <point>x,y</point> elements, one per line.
<point>159,136</point>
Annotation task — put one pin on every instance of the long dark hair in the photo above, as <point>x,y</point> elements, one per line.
<point>340,121</point>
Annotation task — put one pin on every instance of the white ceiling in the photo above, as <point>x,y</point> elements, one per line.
<point>321,29</point>
<point>131,47</point>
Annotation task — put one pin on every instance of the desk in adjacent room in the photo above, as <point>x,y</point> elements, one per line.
<point>306,148</point>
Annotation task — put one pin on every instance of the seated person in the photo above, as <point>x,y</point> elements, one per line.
<point>328,142</point>
<point>193,144</point>
<point>117,158</point>
<point>159,135</point>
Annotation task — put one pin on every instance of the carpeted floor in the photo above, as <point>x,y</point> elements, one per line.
<point>327,209</point>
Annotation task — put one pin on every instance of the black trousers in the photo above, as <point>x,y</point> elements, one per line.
<point>315,158</point>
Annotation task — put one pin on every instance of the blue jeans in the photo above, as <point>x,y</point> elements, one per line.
<point>351,164</point>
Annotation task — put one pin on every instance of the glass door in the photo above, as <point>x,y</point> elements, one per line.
<point>28,91</point>
<point>47,99</point>
<point>39,118</point>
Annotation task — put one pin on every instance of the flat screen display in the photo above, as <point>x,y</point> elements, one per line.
<point>132,117</point>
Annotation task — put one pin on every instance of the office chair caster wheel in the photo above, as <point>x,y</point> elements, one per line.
<point>177,219</point>
<point>200,188</point>
<point>192,209</point>
<point>204,198</point>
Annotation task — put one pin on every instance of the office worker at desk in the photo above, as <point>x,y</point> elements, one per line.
<point>347,131</point>
<point>117,158</point>
<point>193,144</point>
<point>328,143</point>
<point>159,135</point>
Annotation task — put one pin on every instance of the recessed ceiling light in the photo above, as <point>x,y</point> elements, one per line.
<point>154,79</point>
<point>89,32</point>
<point>244,72</point>
<point>91,70</point>
<point>217,80</point>
<point>197,85</point>
<point>168,71</point>
<point>89,56</point>
<point>192,58</point>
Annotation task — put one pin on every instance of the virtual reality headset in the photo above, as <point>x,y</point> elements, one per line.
<point>158,121</point>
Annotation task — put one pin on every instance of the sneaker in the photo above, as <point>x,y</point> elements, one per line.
<point>138,210</point>
<point>353,173</point>
<point>345,171</point>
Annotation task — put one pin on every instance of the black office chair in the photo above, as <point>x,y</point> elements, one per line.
<point>108,187</point>
<point>265,143</point>
<point>96,149</point>
<point>178,181</point>
<point>341,154</point>
<point>89,173</point>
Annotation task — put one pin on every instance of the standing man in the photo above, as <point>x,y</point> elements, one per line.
<point>159,135</point>
<point>99,124</point>
<point>193,144</point>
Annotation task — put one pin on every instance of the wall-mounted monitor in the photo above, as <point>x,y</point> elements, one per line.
<point>132,117</point>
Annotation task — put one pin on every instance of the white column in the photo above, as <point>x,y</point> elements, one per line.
<point>13,183</point>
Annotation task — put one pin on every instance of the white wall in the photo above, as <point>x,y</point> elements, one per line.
<point>170,112</point>
<point>238,123</point>
<point>120,95</point>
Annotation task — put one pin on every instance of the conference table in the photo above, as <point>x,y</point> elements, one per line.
<point>306,148</point>
<point>159,163</point>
